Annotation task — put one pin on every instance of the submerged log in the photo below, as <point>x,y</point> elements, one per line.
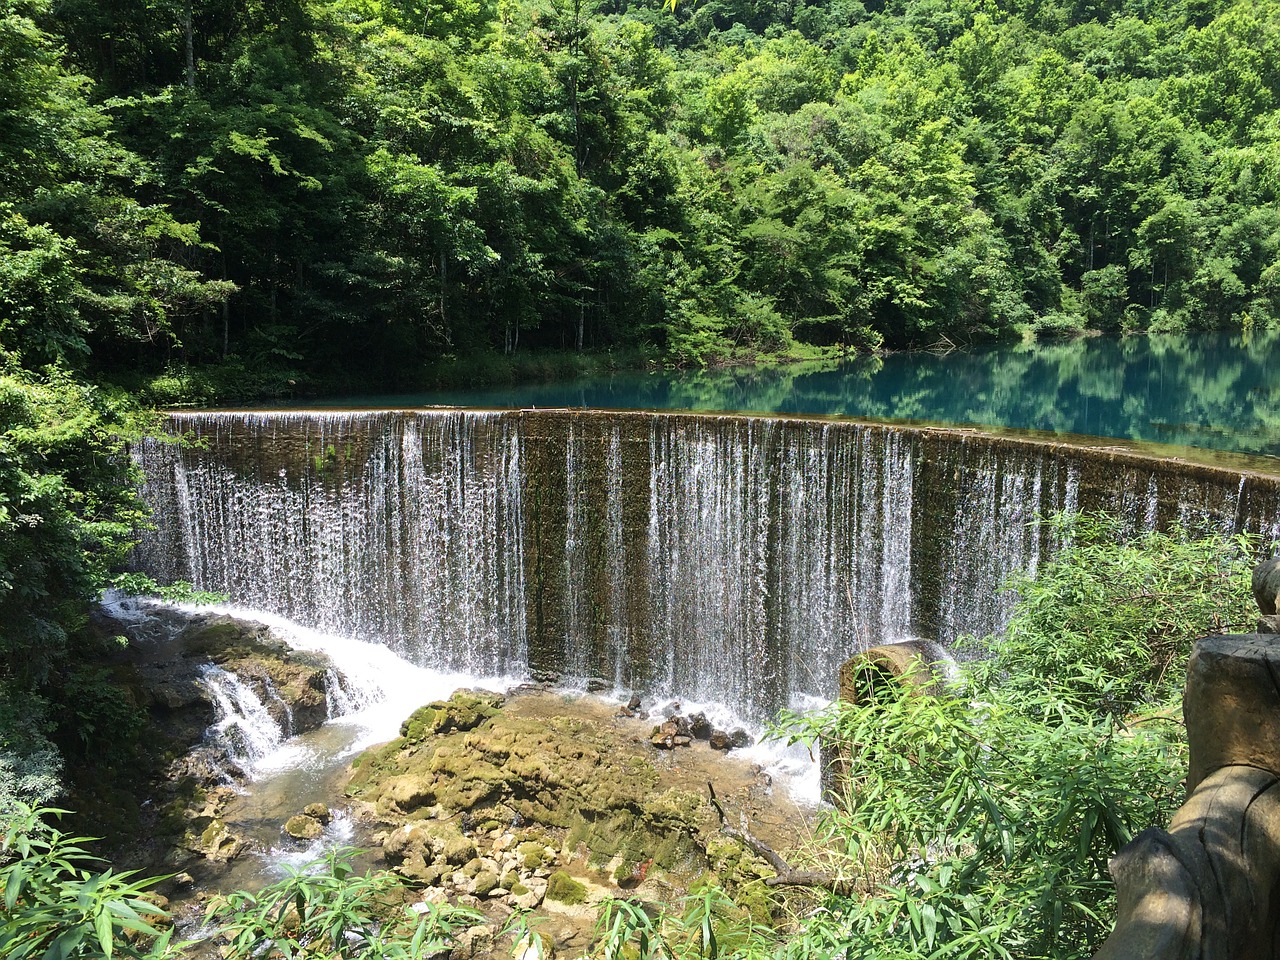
<point>1209,887</point>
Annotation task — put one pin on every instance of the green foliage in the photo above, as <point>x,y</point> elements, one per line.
<point>59,902</point>
<point>328,909</point>
<point>1107,624</point>
<point>982,827</point>
<point>378,187</point>
<point>180,591</point>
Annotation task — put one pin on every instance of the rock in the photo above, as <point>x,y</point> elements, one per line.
<point>699,726</point>
<point>563,773</point>
<point>459,850</point>
<point>485,882</point>
<point>739,738</point>
<point>473,943</point>
<point>465,710</point>
<point>663,741</point>
<point>318,812</point>
<point>634,703</point>
<point>530,893</point>
<point>217,842</point>
<point>719,740</point>
<point>1231,704</point>
<point>303,827</point>
<point>534,946</point>
<point>564,889</point>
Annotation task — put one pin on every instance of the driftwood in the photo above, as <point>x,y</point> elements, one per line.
<point>787,875</point>
<point>1208,888</point>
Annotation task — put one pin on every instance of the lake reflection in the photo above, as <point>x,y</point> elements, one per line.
<point>1214,391</point>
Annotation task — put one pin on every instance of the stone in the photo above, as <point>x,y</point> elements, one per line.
<point>318,812</point>
<point>484,883</point>
<point>1204,889</point>
<point>303,827</point>
<point>1232,704</point>
<point>217,842</point>
<point>719,740</point>
<point>634,702</point>
<point>699,726</point>
<point>459,850</point>
<point>530,893</point>
<point>534,946</point>
<point>465,710</point>
<point>474,943</point>
<point>564,889</point>
<point>739,739</point>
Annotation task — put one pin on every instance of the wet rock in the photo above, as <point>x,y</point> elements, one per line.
<point>318,812</point>
<point>699,726</point>
<point>634,702</point>
<point>303,827</point>
<point>735,739</point>
<point>217,842</point>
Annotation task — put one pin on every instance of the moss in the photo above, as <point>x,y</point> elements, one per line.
<point>486,882</point>
<point>625,870</point>
<point>532,854</point>
<point>563,888</point>
<point>465,710</point>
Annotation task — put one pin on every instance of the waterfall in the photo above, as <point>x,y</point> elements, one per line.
<point>728,558</point>
<point>244,731</point>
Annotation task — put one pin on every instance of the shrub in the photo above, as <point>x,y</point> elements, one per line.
<point>59,903</point>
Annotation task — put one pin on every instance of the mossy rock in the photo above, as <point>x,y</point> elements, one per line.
<point>486,882</point>
<point>564,889</point>
<point>303,827</point>
<point>465,710</point>
<point>532,854</point>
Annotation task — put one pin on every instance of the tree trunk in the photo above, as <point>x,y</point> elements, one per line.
<point>187,33</point>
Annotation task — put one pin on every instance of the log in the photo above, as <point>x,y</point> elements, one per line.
<point>1208,888</point>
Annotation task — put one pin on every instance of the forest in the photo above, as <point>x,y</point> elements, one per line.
<point>207,197</point>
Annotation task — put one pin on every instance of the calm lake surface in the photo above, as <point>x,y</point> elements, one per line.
<point>1211,391</point>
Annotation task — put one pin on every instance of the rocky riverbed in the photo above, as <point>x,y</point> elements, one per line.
<point>535,801</point>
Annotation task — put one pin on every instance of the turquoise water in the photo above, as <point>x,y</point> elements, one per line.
<point>1213,391</point>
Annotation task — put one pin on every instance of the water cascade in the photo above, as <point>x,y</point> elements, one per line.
<point>726,558</point>
<point>244,730</point>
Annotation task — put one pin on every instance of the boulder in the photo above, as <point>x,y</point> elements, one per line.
<point>303,827</point>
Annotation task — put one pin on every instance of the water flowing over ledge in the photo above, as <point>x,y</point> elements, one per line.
<point>720,558</point>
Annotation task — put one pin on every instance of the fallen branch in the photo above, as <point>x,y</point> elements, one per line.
<point>787,875</point>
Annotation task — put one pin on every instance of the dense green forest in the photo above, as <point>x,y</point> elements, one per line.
<point>289,188</point>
